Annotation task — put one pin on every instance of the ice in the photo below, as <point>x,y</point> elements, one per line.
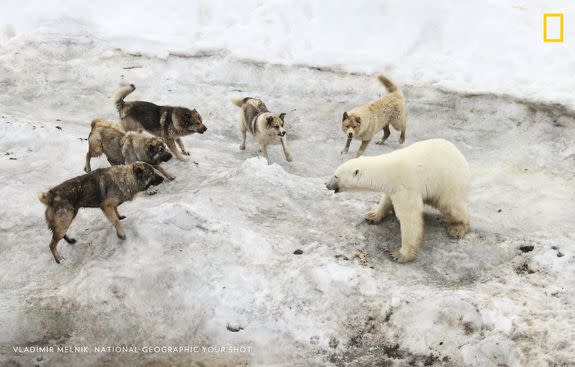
<point>214,249</point>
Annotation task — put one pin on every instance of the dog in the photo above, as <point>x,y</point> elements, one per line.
<point>120,147</point>
<point>265,127</point>
<point>104,188</point>
<point>167,122</point>
<point>365,121</point>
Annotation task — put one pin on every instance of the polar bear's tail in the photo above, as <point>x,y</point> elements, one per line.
<point>389,85</point>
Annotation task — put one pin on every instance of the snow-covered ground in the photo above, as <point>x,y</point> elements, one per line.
<point>214,250</point>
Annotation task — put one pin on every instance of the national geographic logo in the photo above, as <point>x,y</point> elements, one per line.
<point>553,27</point>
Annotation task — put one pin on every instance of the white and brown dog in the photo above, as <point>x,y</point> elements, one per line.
<point>266,127</point>
<point>365,121</point>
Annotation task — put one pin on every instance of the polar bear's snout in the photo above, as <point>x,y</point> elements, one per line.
<point>333,184</point>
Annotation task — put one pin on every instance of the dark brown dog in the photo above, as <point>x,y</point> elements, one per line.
<point>170,123</point>
<point>104,188</point>
<point>121,148</point>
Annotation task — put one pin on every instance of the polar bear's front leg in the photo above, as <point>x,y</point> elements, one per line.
<point>409,211</point>
<point>383,208</point>
<point>457,216</point>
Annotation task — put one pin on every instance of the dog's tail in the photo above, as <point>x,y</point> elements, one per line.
<point>122,93</point>
<point>45,198</point>
<point>95,122</point>
<point>239,101</point>
<point>389,85</point>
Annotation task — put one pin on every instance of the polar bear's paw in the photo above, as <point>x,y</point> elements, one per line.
<point>374,216</point>
<point>402,256</point>
<point>457,230</point>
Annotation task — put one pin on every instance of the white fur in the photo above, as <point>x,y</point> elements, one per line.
<point>430,172</point>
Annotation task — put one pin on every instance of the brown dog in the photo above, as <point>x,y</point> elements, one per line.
<point>365,121</point>
<point>121,148</point>
<point>104,188</point>
<point>170,123</point>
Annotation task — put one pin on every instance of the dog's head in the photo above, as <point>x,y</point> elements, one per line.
<point>188,121</point>
<point>276,124</point>
<point>146,175</point>
<point>156,151</point>
<point>350,124</point>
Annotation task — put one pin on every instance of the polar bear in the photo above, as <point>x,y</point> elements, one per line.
<point>432,172</point>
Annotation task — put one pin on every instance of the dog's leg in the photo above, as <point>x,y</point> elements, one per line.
<point>87,167</point>
<point>60,224</point>
<point>347,144</point>
<point>264,150</point>
<point>287,153</point>
<point>383,208</point>
<point>172,145</point>
<point>181,145</point>
<point>120,217</point>
<point>402,136</point>
<point>362,148</point>
<point>243,130</point>
<point>386,134</point>
<point>164,172</point>
<point>110,212</point>
<point>409,211</point>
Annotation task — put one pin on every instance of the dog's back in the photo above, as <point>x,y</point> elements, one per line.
<point>105,138</point>
<point>251,109</point>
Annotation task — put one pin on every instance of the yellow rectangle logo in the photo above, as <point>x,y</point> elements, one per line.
<point>556,34</point>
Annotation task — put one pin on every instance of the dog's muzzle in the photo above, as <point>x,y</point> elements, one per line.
<point>333,184</point>
<point>283,133</point>
<point>166,156</point>
<point>350,135</point>
<point>202,130</point>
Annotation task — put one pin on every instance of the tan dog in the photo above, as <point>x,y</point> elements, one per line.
<point>104,188</point>
<point>365,121</point>
<point>120,147</point>
<point>170,123</point>
<point>266,127</point>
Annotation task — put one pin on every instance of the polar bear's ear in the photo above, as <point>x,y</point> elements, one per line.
<point>356,172</point>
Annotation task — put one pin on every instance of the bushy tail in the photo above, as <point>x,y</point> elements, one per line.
<point>238,101</point>
<point>120,94</point>
<point>389,85</point>
<point>45,198</point>
<point>95,122</point>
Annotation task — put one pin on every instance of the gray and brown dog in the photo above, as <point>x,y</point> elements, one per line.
<point>170,123</point>
<point>120,147</point>
<point>266,127</point>
<point>104,188</point>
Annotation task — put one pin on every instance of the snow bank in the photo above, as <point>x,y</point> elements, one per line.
<point>472,46</point>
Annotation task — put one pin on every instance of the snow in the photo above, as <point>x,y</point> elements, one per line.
<point>214,249</point>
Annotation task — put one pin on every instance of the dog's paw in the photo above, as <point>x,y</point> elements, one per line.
<point>373,217</point>
<point>170,178</point>
<point>400,257</point>
<point>381,142</point>
<point>289,158</point>
<point>186,153</point>
<point>457,230</point>
<point>242,147</point>
<point>152,191</point>
<point>401,140</point>
<point>87,170</point>
<point>344,151</point>
<point>121,217</point>
<point>121,236</point>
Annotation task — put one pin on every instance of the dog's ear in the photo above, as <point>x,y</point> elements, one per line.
<point>269,120</point>
<point>345,116</point>
<point>282,115</point>
<point>138,171</point>
<point>358,120</point>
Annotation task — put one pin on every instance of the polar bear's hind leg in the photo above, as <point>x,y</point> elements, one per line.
<point>457,216</point>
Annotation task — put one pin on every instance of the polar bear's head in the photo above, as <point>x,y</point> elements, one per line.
<point>353,175</point>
